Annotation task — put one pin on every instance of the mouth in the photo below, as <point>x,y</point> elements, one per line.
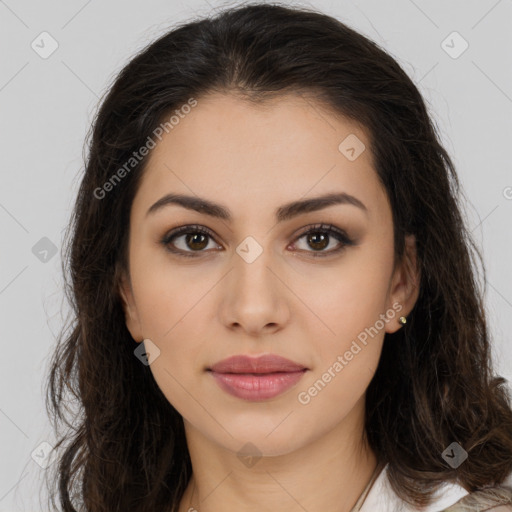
<point>256,379</point>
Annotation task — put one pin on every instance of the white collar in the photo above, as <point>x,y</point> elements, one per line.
<point>381,497</point>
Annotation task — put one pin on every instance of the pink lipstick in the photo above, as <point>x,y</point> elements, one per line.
<point>257,378</point>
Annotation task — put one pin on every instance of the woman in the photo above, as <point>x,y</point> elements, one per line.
<point>276,302</point>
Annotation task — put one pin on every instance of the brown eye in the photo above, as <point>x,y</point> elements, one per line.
<point>319,237</point>
<point>318,241</point>
<point>195,240</point>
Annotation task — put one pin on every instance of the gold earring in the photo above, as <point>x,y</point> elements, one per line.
<point>403,320</point>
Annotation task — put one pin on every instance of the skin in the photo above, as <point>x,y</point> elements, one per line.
<point>198,311</point>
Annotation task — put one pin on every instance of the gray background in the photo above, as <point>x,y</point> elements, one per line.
<point>47,105</point>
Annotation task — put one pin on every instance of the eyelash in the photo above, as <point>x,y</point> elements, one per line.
<point>326,229</point>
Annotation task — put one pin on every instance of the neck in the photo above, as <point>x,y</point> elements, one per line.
<point>335,468</point>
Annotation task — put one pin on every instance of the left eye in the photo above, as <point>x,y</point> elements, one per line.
<point>196,238</point>
<point>320,235</point>
<point>319,238</point>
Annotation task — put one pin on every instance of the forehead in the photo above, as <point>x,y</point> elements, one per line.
<point>280,150</point>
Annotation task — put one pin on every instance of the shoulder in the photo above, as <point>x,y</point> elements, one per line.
<point>497,499</point>
<point>450,497</point>
<point>381,497</point>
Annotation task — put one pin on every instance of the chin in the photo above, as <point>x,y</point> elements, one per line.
<point>267,441</point>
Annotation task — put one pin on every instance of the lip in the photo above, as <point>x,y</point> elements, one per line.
<point>256,378</point>
<point>267,363</point>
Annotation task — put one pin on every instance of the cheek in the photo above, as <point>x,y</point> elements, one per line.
<point>347,357</point>
<point>333,391</point>
<point>178,323</point>
<point>168,294</point>
<point>175,311</point>
<point>170,320</point>
<point>349,298</point>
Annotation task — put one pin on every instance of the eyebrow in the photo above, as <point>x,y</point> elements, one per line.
<point>283,213</point>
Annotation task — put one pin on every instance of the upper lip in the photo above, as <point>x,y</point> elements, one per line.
<point>268,363</point>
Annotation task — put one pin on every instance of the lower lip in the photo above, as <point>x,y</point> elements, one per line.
<point>257,386</point>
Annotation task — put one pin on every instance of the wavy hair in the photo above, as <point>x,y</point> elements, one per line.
<point>124,448</point>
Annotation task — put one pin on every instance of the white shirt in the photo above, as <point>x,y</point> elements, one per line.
<point>381,497</point>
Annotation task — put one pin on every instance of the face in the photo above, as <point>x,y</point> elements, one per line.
<point>314,284</point>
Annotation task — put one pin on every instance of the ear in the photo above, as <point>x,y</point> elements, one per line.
<point>130,310</point>
<point>405,284</point>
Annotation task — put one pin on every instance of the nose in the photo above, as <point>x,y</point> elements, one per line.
<point>256,297</point>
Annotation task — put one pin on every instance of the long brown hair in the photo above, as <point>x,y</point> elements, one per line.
<point>124,448</point>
